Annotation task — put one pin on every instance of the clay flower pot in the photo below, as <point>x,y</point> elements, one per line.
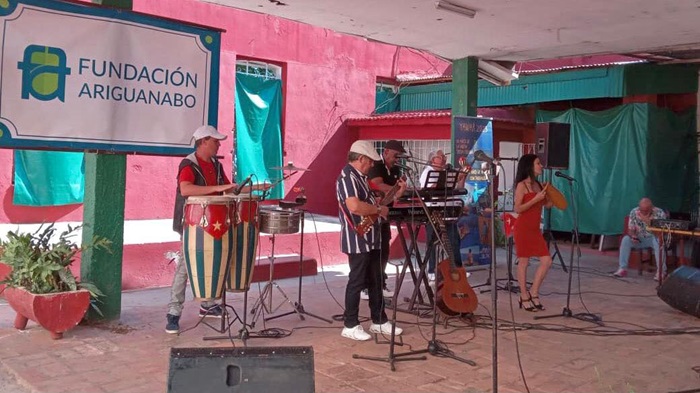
<point>55,312</point>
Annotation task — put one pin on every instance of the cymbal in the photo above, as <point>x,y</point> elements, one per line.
<point>290,167</point>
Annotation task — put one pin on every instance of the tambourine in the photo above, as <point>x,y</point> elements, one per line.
<point>556,197</point>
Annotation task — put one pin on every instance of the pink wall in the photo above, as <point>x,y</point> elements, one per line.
<point>327,77</point>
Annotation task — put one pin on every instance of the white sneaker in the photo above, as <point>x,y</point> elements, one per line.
<point>431,277</point>
<point>356,333</point>
<point>620,273</point>
<point>384,328</point>
<point>364,295</point>
<point>387,292</point>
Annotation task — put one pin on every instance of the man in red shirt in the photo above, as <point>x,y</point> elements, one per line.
<point>200,173</point>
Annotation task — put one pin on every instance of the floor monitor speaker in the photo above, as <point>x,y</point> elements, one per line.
<point>681,290</point>
<point>241,370</point>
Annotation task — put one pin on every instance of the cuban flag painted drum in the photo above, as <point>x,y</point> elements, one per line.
<point>245,242</point>
<point>208,243</point>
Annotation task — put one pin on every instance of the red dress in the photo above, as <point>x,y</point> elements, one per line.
<point>529,241</point>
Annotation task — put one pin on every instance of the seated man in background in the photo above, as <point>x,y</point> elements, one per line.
<point>638,237</point>
<point>438,162</point>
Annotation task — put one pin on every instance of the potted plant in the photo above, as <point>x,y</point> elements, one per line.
<point>41,286</point>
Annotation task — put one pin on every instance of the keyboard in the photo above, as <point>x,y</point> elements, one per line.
<point>450,209</point>
<point>665,223</point>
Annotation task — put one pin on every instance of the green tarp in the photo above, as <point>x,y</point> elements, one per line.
<point>258,130</point>
<point>619,156</point>
<point>48,178</point>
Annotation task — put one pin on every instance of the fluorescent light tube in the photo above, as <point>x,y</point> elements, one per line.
<point>445,5</point>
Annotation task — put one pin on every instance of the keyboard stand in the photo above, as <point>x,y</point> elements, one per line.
<point>416,303</point>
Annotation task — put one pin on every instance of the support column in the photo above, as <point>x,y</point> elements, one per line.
<point>465,86</point>
<point>103,215</point>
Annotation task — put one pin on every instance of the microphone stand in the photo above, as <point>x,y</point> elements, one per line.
<point>566,312</point>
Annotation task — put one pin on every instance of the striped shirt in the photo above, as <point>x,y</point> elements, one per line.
<point>352,183</point>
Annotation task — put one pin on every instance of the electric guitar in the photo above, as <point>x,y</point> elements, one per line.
<point>367,221</point>
<point>453,293</point>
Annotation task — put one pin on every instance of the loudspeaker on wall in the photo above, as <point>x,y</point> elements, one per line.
<point>241,370</point>
<point>681,290</point>
<point>552,144</point>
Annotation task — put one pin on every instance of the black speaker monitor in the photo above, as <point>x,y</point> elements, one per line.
<point>552,141</point>
<point>241,370</point>
<point>681,290</point>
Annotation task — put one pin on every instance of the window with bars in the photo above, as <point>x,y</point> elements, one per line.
<point>259,69</point>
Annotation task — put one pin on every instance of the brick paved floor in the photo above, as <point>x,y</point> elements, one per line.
<point>133,355</point>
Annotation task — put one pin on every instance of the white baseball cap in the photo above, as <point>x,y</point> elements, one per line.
<point>208,131</point>
<point>366,148</point>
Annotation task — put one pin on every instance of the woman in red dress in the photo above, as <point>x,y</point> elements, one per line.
<point>530,198</point>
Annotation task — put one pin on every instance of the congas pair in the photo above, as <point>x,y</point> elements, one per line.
<point>219,237</point>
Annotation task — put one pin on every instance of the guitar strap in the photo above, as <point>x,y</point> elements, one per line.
<point>348,220</point>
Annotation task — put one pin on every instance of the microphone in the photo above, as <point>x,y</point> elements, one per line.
<point>448,167</point>
<point>238,189</point>
<point>564,176</point>
<point>404,167</point>
<point>481,156</point>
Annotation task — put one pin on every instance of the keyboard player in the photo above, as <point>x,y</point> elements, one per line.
<point>438,162</point>
<point>383,176</point>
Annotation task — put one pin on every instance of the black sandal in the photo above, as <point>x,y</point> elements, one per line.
<point>532,307</point>
<point>537,305</point>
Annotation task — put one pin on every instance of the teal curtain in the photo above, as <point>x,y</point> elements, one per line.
<point>619,156</point>
<point>258,130</point>
<point>48,178</point>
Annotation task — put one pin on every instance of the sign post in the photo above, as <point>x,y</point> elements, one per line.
<point>109,82</point>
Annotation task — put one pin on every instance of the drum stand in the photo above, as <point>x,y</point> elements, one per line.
<point>261,306</point>
<point>298,307</point>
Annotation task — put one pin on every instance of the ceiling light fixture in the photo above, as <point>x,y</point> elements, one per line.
<point>496,73</point>
<point>462,10</point>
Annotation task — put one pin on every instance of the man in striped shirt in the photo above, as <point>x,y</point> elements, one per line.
<point>355,200</point>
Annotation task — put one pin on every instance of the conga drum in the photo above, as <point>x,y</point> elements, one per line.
<point>245,242</point>
<point>208,243</point>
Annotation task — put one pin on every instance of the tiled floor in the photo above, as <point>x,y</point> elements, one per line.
<point>556,355</point>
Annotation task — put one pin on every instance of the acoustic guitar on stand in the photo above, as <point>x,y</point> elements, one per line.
<point>367,221</point>
<point>453,293</point>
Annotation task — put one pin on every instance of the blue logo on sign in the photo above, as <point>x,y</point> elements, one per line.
<point>43,73</point>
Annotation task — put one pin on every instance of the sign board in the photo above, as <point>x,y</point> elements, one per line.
<point>75,76</point>
<point>468,135</point>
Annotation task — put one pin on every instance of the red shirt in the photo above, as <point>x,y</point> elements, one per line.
<point>208,169</point>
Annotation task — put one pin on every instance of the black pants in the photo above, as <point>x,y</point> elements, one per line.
<point>364,273</point>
